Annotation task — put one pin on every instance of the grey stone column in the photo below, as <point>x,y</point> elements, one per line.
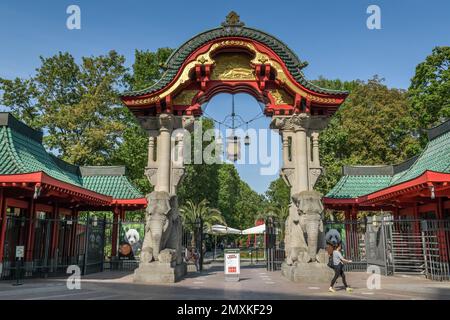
<point>301,158</point>
<point>315,149</point>
<point>152,134</point>
<point>285,148</point>
<point>164,153</point>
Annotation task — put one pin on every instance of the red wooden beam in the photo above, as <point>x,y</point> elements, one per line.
<point>3,222</point>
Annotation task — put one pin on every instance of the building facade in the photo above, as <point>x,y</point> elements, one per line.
<point>42,197</point>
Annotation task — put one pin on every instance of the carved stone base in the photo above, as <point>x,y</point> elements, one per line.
<point>158,272</point>
<point>307,272</point>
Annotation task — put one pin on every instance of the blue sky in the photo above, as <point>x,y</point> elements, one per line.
<point>331,35</point>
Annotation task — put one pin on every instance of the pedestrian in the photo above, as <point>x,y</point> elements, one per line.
<point>338,265</point>
<point>188,254</point>
<point>196,258</point>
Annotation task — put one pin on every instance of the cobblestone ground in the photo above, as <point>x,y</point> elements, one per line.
<point>255,283</point>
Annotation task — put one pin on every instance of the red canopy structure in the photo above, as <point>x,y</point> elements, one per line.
<point>420,186</point>
<point>35,184</point>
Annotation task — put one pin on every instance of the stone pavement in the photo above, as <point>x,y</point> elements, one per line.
<point>256,284</point>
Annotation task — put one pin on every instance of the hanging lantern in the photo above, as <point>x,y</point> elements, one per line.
<point>233,148</point>
<point>247,140</point>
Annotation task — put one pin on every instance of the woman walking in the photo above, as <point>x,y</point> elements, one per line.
<point>338,264</point>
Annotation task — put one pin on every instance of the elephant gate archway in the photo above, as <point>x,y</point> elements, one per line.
<point>231,59</point>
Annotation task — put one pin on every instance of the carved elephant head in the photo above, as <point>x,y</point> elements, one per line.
<point>310,208</point>
<point>158,220</point>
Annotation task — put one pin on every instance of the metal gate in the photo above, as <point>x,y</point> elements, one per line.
<point>274,252</point>
<point>436,243</point>
<point>95,245</point>
<point>406,245</point>
<point>57,244</point>
<point>378,243</point>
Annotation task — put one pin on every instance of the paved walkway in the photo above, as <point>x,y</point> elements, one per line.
<point>256,283</point>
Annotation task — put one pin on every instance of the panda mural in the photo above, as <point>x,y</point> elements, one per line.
<point>130,245</point>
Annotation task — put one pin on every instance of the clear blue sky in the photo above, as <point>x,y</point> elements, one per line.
<point>330,34</point>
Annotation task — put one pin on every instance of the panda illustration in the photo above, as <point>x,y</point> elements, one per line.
<point>133,239</point>
<point>333,237</point>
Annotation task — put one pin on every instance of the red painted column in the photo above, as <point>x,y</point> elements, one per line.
<point>443,248</point>
<point>73,238</point>
<point>122,214</point>
<point>348,244</point>
<point>30,231</point>
<point>416,226</point>
<point>3,222</point>
<point>354,232</point>
<point>115,231</point>
<point>55,230</point>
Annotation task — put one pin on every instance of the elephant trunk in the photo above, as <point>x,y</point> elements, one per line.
<point>312,230</point>
<point>158,224</point>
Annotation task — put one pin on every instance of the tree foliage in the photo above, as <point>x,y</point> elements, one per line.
<point>193,212</point>
<point>76,104</point>
<point>429,92</point>
<point>278,194</point>
<point>147,68</point>
<point>373,126</point>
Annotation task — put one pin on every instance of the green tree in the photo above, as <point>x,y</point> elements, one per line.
<point>132,152</point>
<point>148,68</point>
<point>247,207</point>
<point>429,92</point>
<point>373,126</point>
<point>76,104</point>
<point>192,212</point>
<point>278,194</point>
<point>201,181</point>
<point>279,215</point>
<point>228,192</point>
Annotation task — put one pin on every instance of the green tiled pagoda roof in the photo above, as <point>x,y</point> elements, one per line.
<point>21,151</point>
<point>358,181</point>
<point>354,186</point>
<point>110,181</point>
<point>435,157</point>
<point>176,60</point>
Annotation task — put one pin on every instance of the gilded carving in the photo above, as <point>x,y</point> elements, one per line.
<point>234,70</point>
<point>282,97</point>
<point>231,66</point>
<point>185,97</point>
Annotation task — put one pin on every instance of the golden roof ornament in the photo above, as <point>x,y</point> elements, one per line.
<point>232,21</point>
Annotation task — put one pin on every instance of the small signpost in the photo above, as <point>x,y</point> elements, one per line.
<point>232,258</point>
<point>20,253</point>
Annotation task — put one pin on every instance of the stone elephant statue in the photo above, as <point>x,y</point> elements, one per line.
<point>162,241</point>
<point>295,244</point>
<point>304,227</point>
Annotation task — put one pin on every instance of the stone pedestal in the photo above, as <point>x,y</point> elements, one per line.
<point>159,272</point>
<point>308,272</point>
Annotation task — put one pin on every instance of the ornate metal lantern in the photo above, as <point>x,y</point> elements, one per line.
<point>233,148</point>
<point>247,140</point>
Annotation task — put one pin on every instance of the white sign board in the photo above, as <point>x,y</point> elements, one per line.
<point>20,251</point>
<point>232,262</point>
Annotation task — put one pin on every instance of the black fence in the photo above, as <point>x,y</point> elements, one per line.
<point>402,246</point>
<point>396,246</point>
<point>60,243</point>
<point>274,250</point>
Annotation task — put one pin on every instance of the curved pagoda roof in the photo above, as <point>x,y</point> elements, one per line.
<point>361,183</point>
<point>22,152</point>
<point>233,27</point>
